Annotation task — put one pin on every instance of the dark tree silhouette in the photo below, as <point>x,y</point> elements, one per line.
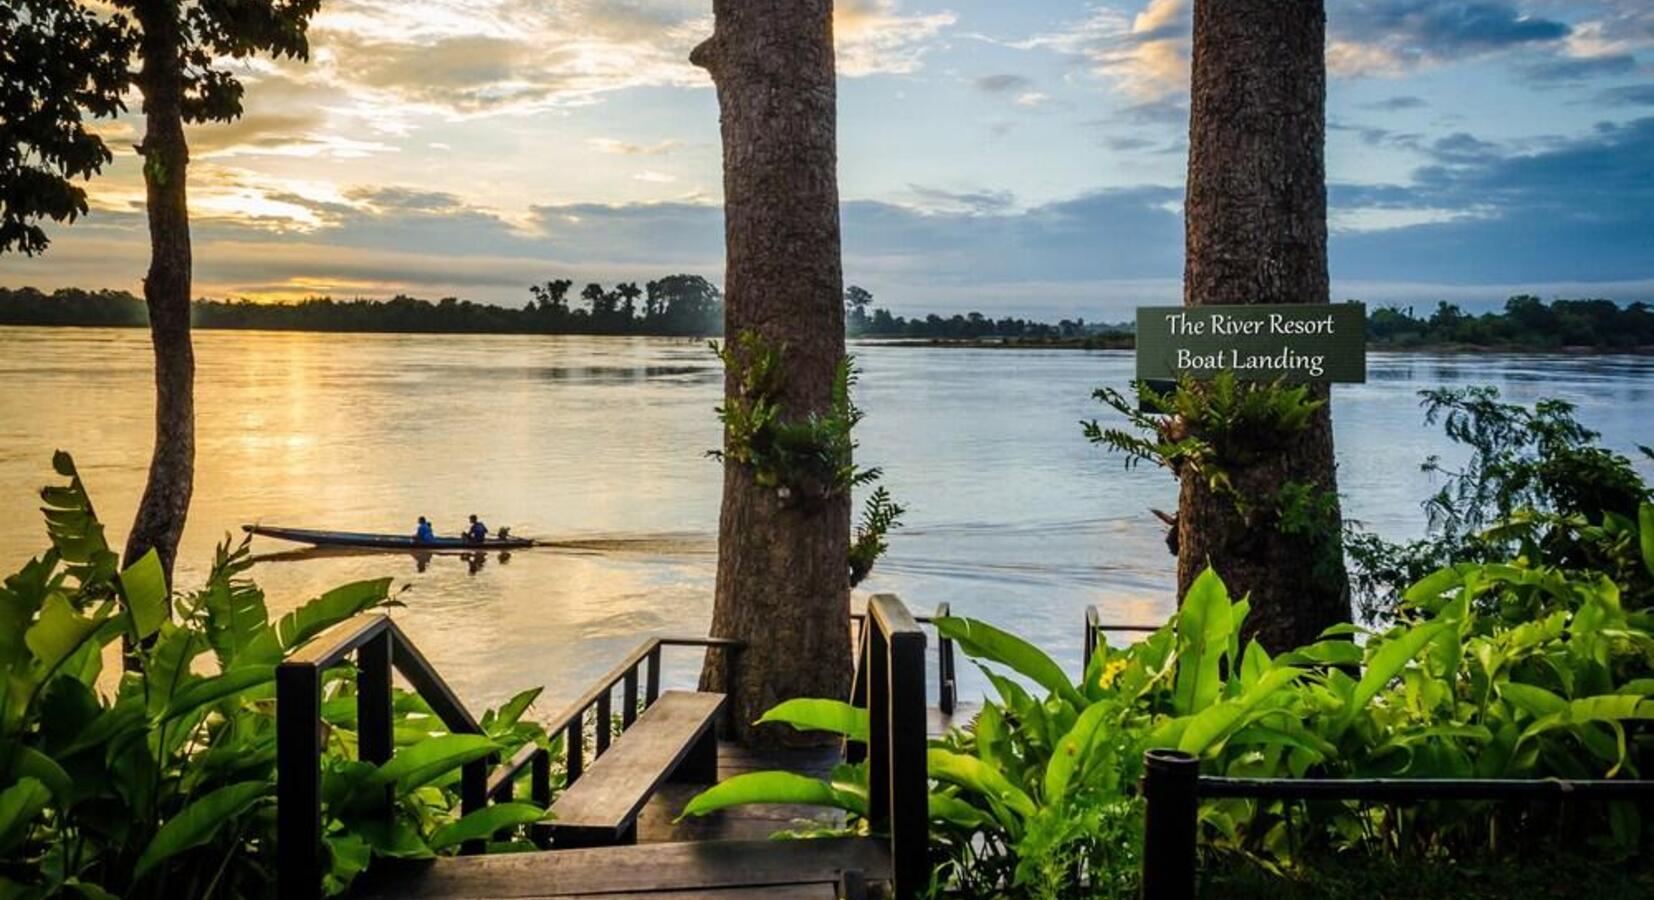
<point>782,583</point>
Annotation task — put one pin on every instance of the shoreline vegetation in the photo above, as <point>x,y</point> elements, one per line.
<point>691,306</point>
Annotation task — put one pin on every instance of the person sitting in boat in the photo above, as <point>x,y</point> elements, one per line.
<point>424,534</point>
<point>478,532</point>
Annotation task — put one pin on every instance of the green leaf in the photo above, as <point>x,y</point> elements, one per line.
<point>199,822</point>
<point>975,775</point>
<point>19,805</point>
<point>330,609</point>
<point>1386,663</point>
<point>983,641</point>
<point>1069,753</point>
<point>772,787</point>
<point>954,811</point>
<point>1531,699</point>
<point>31,763</point>
<point>58,633</point>
<point>833,716</point>
<point>1214,723</point>
<point>427,761</point>
<point>1204,624</point>
<point>208,691</point>
<point>144,588</point>
<point>508,714</point>
<point>1433,585</point>
<point>483,823</point>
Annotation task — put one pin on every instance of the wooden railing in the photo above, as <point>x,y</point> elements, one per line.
<point>644,663</point>
<point>893,657</point>
<point>947,683</point>
<point>380,648</point>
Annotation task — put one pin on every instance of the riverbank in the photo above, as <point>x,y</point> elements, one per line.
<point>1129,342</point>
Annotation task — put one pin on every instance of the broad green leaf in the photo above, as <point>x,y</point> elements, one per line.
<point>167,665</point>
<point>1204,625</point>
<point>954,811</point>
<point>426,761</point>
<point>1386,664</point>
<point>1068,755</point>
<point>58,633</point>
<point>144,588</point>
<point>19,805</point>
<point>330,609</point>
<point>511,711</point>
<point>199,822</point>
<point>1531,699</point>
<point>398,838</point>
<point>984,641</point>
<point>27,762</point>
<point>483,823</point>
<point>1433,586</point>
<point>833,716</point>
<point>208,691</point>
<point>771,787</point>
<point>975,775</point>
<point>1212,724</point>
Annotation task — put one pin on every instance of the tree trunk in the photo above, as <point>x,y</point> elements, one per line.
<point>166,499</point>
<point>783,584</point>
<point>1256,231</point>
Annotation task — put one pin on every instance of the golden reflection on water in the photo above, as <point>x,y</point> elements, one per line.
<point>597,445</point>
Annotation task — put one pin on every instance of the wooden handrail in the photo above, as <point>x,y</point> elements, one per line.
<point>947,684</point>
<point>381,648</point>
<point>1094,627</point>
<point>571,722</point>
<point>893,658</point>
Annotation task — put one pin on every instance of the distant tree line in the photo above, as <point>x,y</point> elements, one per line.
<point>689,305</point>
<point>1526,322</point>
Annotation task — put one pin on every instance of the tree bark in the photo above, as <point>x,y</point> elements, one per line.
<point>1256,232</point>
<point>166,498</point>
<point>783,585</point>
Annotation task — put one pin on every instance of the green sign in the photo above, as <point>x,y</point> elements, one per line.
<point>1297,342</point>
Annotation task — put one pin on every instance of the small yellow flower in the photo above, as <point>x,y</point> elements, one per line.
<point>1111,671</point>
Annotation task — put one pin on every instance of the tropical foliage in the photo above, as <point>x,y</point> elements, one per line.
<point>159,781</point>
<point>1039,796</point>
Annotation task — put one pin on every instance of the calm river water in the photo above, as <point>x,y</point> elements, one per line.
<point>599,443</point>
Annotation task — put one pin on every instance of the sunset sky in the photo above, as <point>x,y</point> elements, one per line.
<point>1019,157</point>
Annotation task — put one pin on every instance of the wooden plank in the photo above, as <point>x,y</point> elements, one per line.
<point>822,891</point>
<point>602,805</point>
<point>691,869</point>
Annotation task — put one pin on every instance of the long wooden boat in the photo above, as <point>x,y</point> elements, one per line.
<point>383,541</point>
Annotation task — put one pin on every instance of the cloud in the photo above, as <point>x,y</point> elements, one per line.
<point>1397,103</point>
<point>873,37</point>
<point>1388,37</point>
<point>627,148</point>
<point>1628,95</point>
<point>1578,68</point>
<point>1002,83</point>
<point>968,202</point>
<point>1146,55</point>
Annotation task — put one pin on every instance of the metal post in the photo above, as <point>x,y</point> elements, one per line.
<point>909,785</point>
<point>628,698</point>
<point>878,726</point>
<point>651,684</point>
<point>375,740</point>
<point>1088,645</point>
<point>574,749</point>
<point>298,780</point>
<point>604,714</point>
<point>1171,794</point>
<point>540,791</point>
<point>473,796</point>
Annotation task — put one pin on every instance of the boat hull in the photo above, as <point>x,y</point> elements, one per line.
<point>381,541</point>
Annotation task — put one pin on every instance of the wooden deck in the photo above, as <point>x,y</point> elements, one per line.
<point>727,855</point>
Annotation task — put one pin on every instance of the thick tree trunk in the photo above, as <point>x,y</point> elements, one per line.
<point>783,586</point>
<point>166,499</point>
<point>1256,230</point>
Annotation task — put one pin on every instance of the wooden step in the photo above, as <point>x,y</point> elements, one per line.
<point>723,870</point>
<point>674,739</point>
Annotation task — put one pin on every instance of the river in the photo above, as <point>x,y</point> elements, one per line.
<point>599,444</point>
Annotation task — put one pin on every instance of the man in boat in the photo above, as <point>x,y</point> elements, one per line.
<point>478,532</point>
<point>424,534</point>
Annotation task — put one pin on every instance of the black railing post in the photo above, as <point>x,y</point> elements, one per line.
<point>1089,641</point>
<point>473,796</point>
<point>374,714</point>
<point>908,786</point>
<point>540,791</point>
<point>1171,795</point>
<point>947,687</point>
<point>651,683</point>
<point>877,663</point>
<point>298,781</point>
<point>574,749</point>
<point>628,699</point>
<point>604,714</point>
